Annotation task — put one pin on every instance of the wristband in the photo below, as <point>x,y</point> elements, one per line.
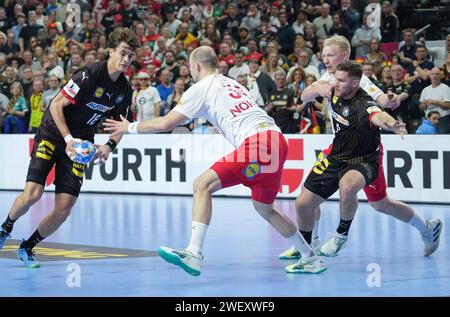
<point>132,128</point>
<point>112,144</point>
<point>68,138</point>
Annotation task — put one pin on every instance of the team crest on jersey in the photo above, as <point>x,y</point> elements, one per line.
<point>99,91</point>
<point>119,99</point>
<point>335,99</point>
<point>345,111</point>
<point>251,170</point>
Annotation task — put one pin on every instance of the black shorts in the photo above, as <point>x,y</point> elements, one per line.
<point>323,179</point>
<point>68,174</point>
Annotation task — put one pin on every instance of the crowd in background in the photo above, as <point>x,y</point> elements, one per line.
<point>272,47</point>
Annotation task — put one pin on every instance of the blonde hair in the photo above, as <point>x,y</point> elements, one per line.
<point>339,41</point>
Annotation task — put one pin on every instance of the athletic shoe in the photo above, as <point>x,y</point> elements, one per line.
<point>332,247</point>
<point>28,257</point>
<point>293,254</point>
<point>431,236</point>
<point>3,236</point>
<point>182,258</point>
<point>312,265</point>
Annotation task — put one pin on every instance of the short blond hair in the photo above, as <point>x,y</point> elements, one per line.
<point>340,41</point>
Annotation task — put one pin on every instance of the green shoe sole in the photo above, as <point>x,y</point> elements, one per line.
<point>174,259</point>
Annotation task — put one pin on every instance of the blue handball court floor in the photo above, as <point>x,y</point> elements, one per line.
<point>107,248</point>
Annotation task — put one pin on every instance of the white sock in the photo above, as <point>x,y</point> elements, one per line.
<point>198,236</point>
<point>301,245</point>
<point>315,233</point>
<point>418,222</point>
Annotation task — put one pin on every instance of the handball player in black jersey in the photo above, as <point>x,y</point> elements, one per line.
<point>353,160</point>
<point>96,91</point>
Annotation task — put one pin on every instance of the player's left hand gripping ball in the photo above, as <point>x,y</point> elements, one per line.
<point>84,151</point>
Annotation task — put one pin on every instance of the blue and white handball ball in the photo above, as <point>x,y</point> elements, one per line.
<point>84,151</point>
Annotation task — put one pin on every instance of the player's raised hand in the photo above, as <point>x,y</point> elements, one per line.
<point>116,127</point>
<point>399,127</point>
<point>393,100</point>
<point>323,88</point>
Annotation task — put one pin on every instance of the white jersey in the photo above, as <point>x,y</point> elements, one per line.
<point>366,84</point>
<point>228,106</point>
<point>145,102</point>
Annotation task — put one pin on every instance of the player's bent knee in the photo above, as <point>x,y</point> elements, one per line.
<point>31,197</point>
<point>201,185</point>
<point>62,214</point>
<point>348,191</point>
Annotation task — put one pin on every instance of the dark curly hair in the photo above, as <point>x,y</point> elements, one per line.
<point>124,35</point>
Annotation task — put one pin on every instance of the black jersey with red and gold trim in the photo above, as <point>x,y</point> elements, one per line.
<point>93,95</point>
<point>356,139</point>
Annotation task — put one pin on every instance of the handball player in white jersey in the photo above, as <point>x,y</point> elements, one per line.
<point>257,162</point>
<point>336,50</point>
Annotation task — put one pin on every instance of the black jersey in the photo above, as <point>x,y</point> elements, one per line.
<point>93,95</point>
<point>356,139</point>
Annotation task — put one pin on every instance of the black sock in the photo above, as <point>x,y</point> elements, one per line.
<point>307,235</point>
<point>8,224</point>
<point>32,241</point>
<point>344,227</point>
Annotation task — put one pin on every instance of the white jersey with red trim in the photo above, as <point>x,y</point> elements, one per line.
<point>228,106</point>
<point>366,84</point>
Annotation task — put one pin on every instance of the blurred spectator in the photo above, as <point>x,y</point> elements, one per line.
<point>304,62</point>
<point>339,28</point>
<point>28,31</point>
<point>225,54</point>
<point>419,71</point>
<point>175,96</point>
<point>363,35</point>
<point>324,22</point>
<point>281,105</point>
<point>146,100</point>
<point>37,105</point>
<point>350,17</point>
<point>389,23</point>
<point>375,54</point>
<point>252,20</point>
<point>239,68</point>
<point>172,23</point>
<point>436,97</point>
<point>185,36</point>
<point>165,88</point>
<point>407,51</point>
<point>28,62</point>
<point>21,19</point>
<point>16,111</point>
<point>10,48</point>
<point>11,75</point>
<point>223,68</point>
<point>299,23</point>
<point>53,89</point>
<point>272,65</point>
<point>185,76</point>
<point>51,67</point>
<point>265,83</point>
<point>27,82</point>
<point>285,35</point>
<point>128,13</point>
<point>296,80</point>
<point>429,124</point>
<point>403,91</point>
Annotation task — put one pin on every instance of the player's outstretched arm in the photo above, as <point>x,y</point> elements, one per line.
<point>387,122</point>
<point>159,124</point>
